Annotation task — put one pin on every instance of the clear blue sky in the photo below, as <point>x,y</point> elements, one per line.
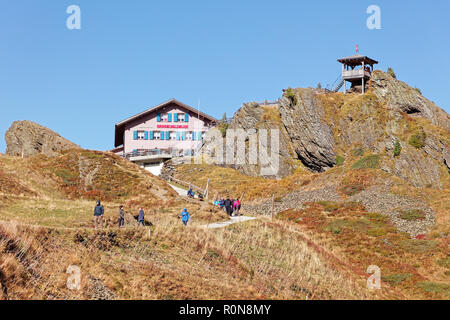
<point>131,55</point>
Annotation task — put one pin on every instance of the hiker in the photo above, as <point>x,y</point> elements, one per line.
<point>185,216</point>
<point>189,193</point>
<point>200,196</point>
<point>217,203</point>
<point>237,206</point>
<point>121,219</point>
<point>228,208</point>
<point>99,210</point>
<point>222,203</point>
<point>141,217</point>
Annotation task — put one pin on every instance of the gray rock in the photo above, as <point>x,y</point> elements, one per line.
<point>28,138</point>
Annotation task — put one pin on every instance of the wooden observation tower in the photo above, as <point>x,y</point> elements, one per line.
<point>357,70</point>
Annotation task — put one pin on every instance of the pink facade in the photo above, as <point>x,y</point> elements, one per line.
<point>163,128</point>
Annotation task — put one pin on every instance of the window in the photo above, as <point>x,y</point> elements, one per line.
<point>141,135</point>
<point>173,135</point>
<point>157,135</point>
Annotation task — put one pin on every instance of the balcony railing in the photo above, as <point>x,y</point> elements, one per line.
<point>158,152</point>
<point>349,74</point>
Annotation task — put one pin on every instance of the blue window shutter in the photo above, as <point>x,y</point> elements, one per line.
<point>151,135</point>
<point>178,135</point>
<point>146,135</point>
<point>135,135</point>
<point>175,117</point>
<point>134,151</point>
<point>169,117</point>
<point>193,135</point>
<point>161,135</point>
<point>186,117</point>
<point>158,117</point>
<point>167,135</point>
<point>199,136</point>
<point>184,136</point>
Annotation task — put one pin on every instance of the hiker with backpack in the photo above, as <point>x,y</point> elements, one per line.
<point>222,203</point>
<point>228,206</point>
<point>141,217</point>
<point>237,206</point>
<point>99,210</point>
<point>185,216</point>
<point>121,219</point>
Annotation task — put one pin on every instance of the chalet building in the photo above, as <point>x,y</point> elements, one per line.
<point>171,129</point>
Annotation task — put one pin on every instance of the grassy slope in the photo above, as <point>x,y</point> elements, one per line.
<point>46,220</point>
<point>415,267</point>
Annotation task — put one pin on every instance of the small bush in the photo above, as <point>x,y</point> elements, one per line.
<point>319,86</point>
<point>357,152</point>
<point>396,278</point>
<point>418,246</point>
<point>397,148</point>
<point>418,90</point>
<point>412,215</point>
<point>339,160</point>
<point>444,262</point>
<point>391,72</point>
<point>434,287</point>
<point>369,162</point>
<point>377,232</point>
<point>290,94</point>
<point>417,140</point>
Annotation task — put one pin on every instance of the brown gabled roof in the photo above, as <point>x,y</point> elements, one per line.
<point>120,126</point>
<point>356,60</point>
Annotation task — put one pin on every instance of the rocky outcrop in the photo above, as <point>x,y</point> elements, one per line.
<point>399,96</point>
<point>28,138</point>
<point>252,118</point>
<point>312,138</point>
<point>317,126</point>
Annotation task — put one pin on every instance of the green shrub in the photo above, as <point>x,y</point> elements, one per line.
<point>418,90</point>
<point>368,162</point>
<point>223,126</point>
<point>412,214</point>
<point>418,246</point>
<point>397,148</point>
<point>391,72</point>
<point>290,94</point>
<point>396,278</point>
<point>339,160</point>
<point>444,262</point>
<point>319,86</point>
<point>435,287</point>
<point>417,140</point>
<point>357,152</point>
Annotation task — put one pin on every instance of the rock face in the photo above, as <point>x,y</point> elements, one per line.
<point>256,122</point>
<point>312,138</point>
<point>29,138</point>
<point>400,97</point>
<point>317,127</point>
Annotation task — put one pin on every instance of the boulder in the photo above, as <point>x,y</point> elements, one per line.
<point>27,138</point>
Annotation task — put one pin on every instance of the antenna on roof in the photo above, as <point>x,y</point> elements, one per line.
<point>357,48</point>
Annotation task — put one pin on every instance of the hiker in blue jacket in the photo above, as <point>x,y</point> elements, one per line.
<point>99,210</point>
<point>185,216</point>
<point>141,217</point>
